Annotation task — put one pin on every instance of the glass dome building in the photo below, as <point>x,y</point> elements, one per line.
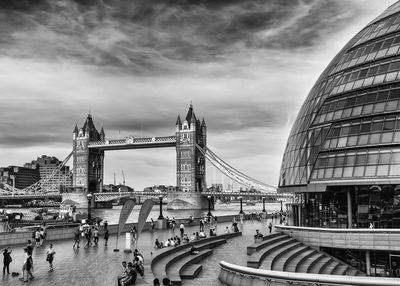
<point>342,158</point>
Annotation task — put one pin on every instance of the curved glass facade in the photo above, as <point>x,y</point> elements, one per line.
<point>342,158</point>
<point>348,129</point>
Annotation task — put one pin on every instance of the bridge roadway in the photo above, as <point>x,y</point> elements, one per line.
<point>109,196</point>
<point>103,197</point>
<point>133,143</point>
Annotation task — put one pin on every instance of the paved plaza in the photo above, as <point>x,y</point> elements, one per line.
<point>100,265</point>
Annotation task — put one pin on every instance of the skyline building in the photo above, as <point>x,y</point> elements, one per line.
<point>47,165</point>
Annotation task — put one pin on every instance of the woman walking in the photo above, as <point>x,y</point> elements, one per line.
<point>50,256</point>
<point>7,260</point>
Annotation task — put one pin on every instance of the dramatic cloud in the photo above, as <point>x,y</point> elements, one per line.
<point>246,66</point>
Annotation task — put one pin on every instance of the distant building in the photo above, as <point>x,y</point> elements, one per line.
<point>19,177</point>
<point>47,166</point>
<point>160,188</point>
<point>216,188</point>
<point>116,188</point>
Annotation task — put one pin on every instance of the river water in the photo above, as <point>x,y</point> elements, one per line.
<point>112,215</point>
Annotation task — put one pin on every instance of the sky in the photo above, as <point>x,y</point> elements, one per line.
<point>246,66</point>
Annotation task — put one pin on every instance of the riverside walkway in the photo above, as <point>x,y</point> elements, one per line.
<point>100,265</point>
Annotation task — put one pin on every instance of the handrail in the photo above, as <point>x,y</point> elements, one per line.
<point>339,230</point>
<point>290,277</point>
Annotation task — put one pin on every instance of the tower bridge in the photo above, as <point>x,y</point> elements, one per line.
<point>190,142</point>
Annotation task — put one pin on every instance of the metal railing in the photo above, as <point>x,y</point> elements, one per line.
<point>231,274</point>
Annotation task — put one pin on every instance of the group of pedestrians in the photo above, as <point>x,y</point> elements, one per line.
<point>39,235</point>
<point>85,232</point>
<point>131,270</point>
<point>27,266</point>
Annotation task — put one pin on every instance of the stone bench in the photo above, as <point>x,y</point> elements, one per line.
<point>175,270</point>
<point>168,255</point>
<point>191,271</point>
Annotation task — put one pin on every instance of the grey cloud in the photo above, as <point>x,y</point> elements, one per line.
<point>156,36</point>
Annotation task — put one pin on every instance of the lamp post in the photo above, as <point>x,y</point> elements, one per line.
<point>281,208</point>
<point>209,208</point>
<point>241,205</point>
<point>160,216</point>
<point>89,198</point>
<point>263,199</point>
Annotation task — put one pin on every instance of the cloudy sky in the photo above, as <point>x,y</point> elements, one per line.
<point>246,65</point>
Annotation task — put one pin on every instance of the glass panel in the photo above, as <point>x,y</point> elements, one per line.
<point>374,138</point>
<point>394,170</point>
<point>370,171</point>
<point>384,158</point>
<point>367,109</point>
<point>395,158</point>
<point>328,173</point>
<point>348,172</point>
<point>387,137</point>
<point>350,160</point>
<point>372,159</point>
<point>342,142</point>
<point>359,171</point>
<point>337,172</point>
<point>383,170</point>
<point>363,140</point>
<point>352,141</point>
<point>361,159</point>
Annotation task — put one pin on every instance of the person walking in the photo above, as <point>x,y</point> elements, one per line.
<point>27,267</point>
<point>182,229</point>
<point>133,236</point>
<point>96,236</point>
<point>106,237</point>
<point>270,227</point>
<point>50,256</point>
<point>201,225</point>
<point>7,260</point>
<point>37,237</point>
<point>152,224</point>
<point>77,238</point>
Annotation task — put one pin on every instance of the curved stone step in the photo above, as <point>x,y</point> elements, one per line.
<point>293,264</point>
<point>329,268</point>
<point>267,240</point>
<point>256,258</point>
<point>159,268</point>
<point>191,271</point>
<point>174,269</point>
<point>285,260</point>
<point>340,270</point>
<point>318,265</point>
<point>306,262</point>
<point>268,261</point>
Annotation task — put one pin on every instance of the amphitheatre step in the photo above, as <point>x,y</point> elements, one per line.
<point>275,255</point>
<point>174,270</point>
<point>305,263</point>
<point>284,261</point>
<point>160,267</point>
<point>318,266</point>
<point>256,258</point>
<point>329,267</point>
<point>267,240</point>
<point>169,254</point>
<point>340,270</point>
<point>293,264</point>
<point>191,271</point>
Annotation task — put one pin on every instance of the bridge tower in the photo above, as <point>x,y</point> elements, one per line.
<point>88,164</point>
<point>190,163</point>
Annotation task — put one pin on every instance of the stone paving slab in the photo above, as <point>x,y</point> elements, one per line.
<point>100,265</point>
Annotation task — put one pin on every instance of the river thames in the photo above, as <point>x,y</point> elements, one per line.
<point>112,215</point>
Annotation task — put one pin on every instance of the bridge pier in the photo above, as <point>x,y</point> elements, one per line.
<point>188,201</point>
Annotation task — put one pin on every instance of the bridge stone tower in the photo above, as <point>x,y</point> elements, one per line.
<point>88,164</point>
<point>190,163</point>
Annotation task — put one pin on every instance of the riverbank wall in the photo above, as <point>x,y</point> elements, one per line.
<point>15,238</point>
